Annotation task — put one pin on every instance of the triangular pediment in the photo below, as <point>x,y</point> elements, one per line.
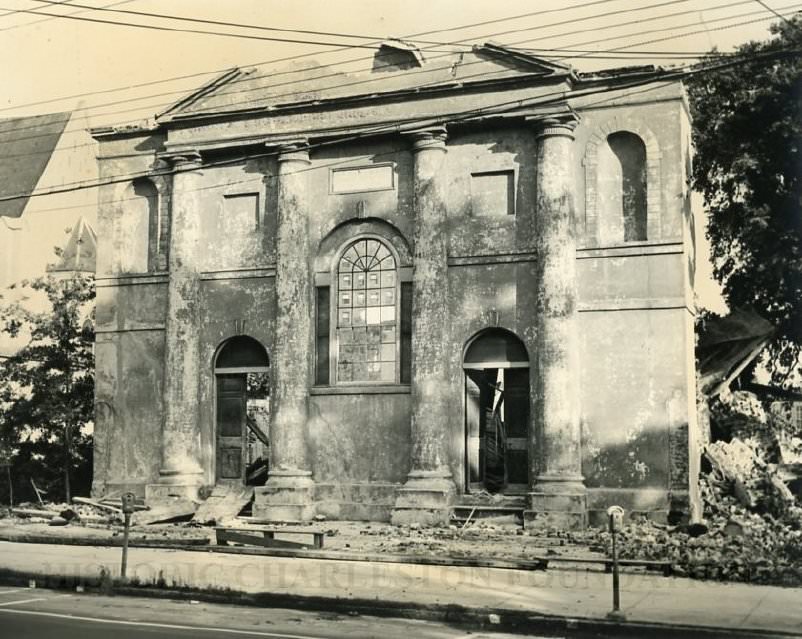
<point>406,71</point>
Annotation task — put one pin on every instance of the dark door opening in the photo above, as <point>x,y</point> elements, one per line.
<point>242,412</point>
<point>497,414</point>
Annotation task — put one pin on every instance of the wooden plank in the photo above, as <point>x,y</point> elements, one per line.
<point>31,512</point>
<point>661,566</point>
<point>225,502</point>
<point>97,504</point>
<point>266,540</point>
<point>276,529</point>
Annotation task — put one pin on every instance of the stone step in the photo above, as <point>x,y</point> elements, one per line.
<point>463,513</point>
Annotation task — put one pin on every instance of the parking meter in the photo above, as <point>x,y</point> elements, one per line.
<point>128,502</point>
<point>615,515</point>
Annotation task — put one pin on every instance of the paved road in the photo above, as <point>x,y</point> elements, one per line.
<point>40,614</point>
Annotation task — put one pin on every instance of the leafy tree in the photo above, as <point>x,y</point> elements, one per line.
<point>747,133</point>
<point>47,387</point>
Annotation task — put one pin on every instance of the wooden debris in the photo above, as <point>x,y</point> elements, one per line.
<point>91,502</point>
<point>39,492</point>
<point>265,537</point>
<point>167,511</point>
<point>31,512</point>
<point>225,502</point>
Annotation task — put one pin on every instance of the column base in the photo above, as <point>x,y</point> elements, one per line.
<point>287,496</point>
<point>557,502</point>
<point>172,485</point>
<point>425,499</point>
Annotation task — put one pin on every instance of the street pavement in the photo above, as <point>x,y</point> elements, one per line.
<point>40,614</point>
<point>571,594</point>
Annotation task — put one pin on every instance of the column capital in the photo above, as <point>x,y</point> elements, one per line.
<point>182,160</point>
<point>294,151</point>
<point>433,138</point>
<point>555,127</point>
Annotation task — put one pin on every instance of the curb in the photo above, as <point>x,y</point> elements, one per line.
<point>202,545</point>
<point>330,555</point>
<point>485,619</point>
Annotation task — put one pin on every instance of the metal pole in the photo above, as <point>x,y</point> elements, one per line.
<point>616,595</point>
<point>126,524</point>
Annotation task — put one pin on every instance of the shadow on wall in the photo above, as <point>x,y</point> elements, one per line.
<point>633,458</point>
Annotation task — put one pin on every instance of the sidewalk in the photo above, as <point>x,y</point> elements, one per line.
<point>556,592</point>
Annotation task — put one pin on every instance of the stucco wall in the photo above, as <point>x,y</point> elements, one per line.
<point>129,356</point>
<point>633,303</point>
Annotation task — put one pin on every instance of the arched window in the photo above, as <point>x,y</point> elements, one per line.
<point>629,179</point>
<point>367,327</point>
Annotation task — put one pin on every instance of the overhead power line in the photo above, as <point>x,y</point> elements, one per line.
<point>64,2</point>
<point>223,23</point>
<point>152,27</point>
<point>495,109</point>
<point>305,55</point>
<point>768,8</point>
<point>424,71</point>
<point>384,128</point>
<point>474,76</point>
<point>430,70</point>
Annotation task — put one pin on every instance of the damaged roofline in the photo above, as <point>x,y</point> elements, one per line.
<point>205,89</point>
<point>122,131</point>
<point>369,98</point>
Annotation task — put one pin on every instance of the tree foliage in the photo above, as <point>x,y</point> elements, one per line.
<point>47,386</point>
<point>747,133</point>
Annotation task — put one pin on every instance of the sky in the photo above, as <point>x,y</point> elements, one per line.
<point>63,63</point>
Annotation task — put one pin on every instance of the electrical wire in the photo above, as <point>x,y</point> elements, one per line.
<point>68,16</point>
<point>305,55</point>
<point>768,8</point>
<point>274,74</point>
<point>441,68</point>
<point>558,97</point>
<point>229,24</point>
<point>495,109</point>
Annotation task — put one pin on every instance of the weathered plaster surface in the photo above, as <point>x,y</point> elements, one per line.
<point>472,272</point>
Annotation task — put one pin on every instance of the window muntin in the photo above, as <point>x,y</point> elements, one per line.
<point>367,313</point>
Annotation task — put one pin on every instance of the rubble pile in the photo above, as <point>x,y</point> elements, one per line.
<point>753,522</point>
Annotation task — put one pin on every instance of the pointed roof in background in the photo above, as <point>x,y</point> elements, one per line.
<point>398,67</point>
<point>80,251</point>
<point>26,145</point>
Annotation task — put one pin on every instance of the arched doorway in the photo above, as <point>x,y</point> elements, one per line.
<point>496,369</point>
<point>241,370</point>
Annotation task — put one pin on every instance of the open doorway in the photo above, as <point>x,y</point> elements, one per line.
<point>496,369</point>
<point>242,412</point>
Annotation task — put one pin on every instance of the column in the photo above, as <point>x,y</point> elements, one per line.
<point>558,495</point>
<point>427,495</point>
<point>181,473</point>
<point>287,495</point>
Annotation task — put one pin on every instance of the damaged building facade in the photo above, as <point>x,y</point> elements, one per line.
<point>405,289</point>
